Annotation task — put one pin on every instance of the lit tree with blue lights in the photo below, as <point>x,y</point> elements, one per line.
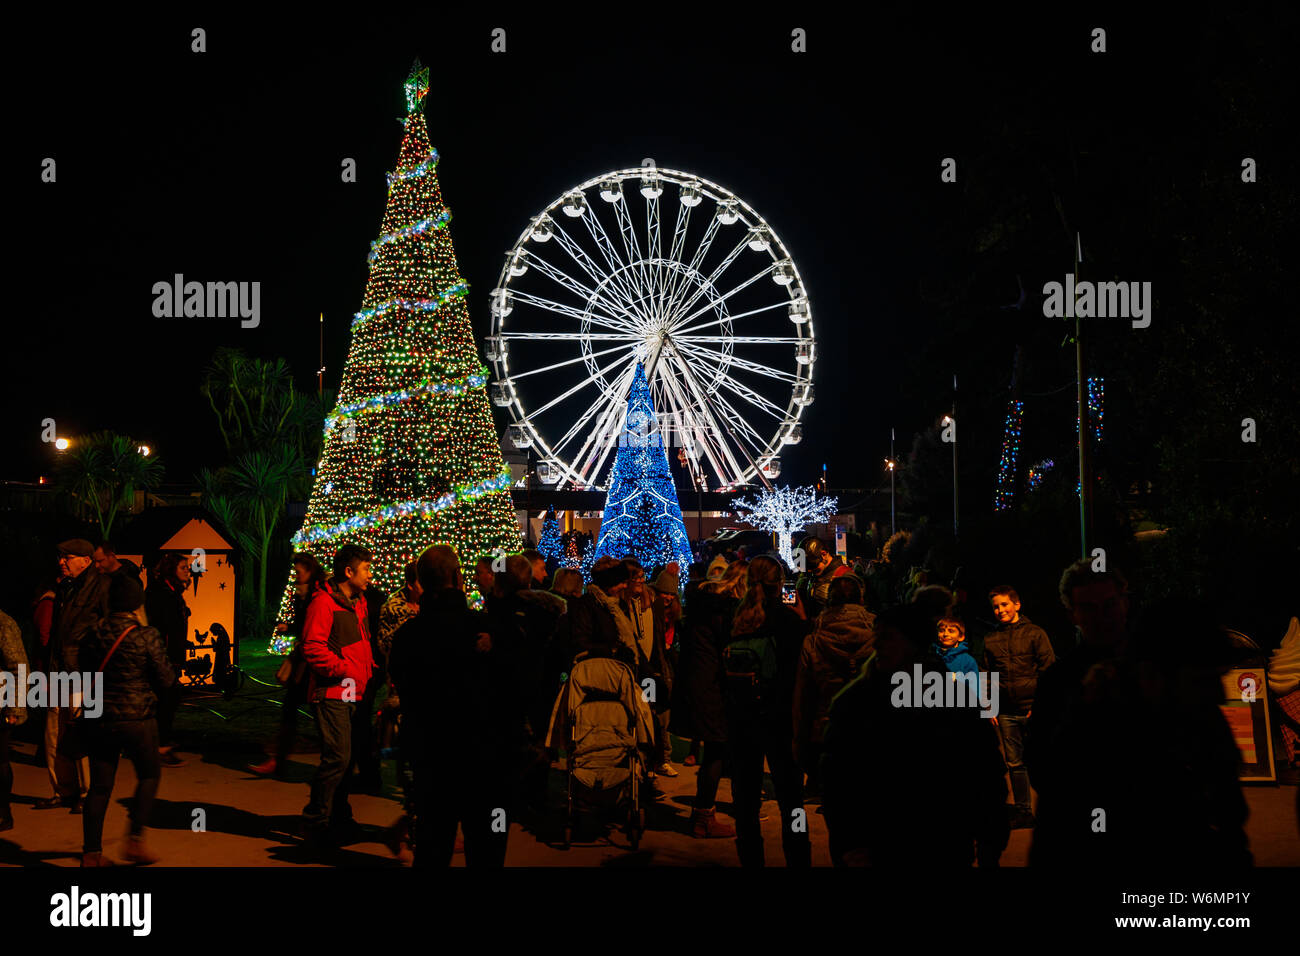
<point>642,516</point>
<point>550,546</point>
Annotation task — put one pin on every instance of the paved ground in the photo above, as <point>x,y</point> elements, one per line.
<point>253,822</point>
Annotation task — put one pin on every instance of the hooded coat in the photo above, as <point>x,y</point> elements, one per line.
<point>831,657</point>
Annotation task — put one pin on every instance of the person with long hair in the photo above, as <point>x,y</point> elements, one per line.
<point>166,610</point>
<point>762,661</point>
<point>309,577</point>
<point>698,712</point>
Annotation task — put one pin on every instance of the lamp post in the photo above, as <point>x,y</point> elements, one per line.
<point>952,420</point>
<point>891,463</point>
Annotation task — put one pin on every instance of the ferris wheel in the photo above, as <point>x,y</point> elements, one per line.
<point>714,309</point>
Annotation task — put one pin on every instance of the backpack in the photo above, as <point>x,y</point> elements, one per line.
<point>750,666</point>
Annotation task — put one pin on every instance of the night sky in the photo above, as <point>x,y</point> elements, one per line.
<point>225,166</point>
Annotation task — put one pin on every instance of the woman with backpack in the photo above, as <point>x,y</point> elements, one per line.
<point>698,712</point>
<point>136,673</point>
<point>761,663</point>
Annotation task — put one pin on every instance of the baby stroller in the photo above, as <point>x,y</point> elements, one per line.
<point>602,721</point>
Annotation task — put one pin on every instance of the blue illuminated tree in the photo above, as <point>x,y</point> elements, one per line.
<point>550,546</point>
<point>642,517</point>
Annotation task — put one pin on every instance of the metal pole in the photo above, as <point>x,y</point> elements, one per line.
<point>1081,386</point>
<point>893,466</point>
<point>954,455</point>
<point>320,369</point>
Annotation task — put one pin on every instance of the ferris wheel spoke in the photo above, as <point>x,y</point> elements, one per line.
<point>677,333</point>
<point>579,255</point>
<point>710,282</point>
<point>614,404</point>
<point>679,243</point>
<point>573,361</point>
<point>579,289</point>
<point>755,367</point>
<point>573,336</point>
<point>701,398</point>
<point>632,246</point>
<point>619,270</point>
<point>746,430</point>
<point>686,276</point>
<point>739,388</point>
<point>653,246</point>
<point>741,339</point>
<point>724,297</point>
<point>560,308</point>
<point>599,373</point>
<point>610,398</point>
<point>699,424</point>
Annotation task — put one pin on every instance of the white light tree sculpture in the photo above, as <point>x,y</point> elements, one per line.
<point>783,511</point>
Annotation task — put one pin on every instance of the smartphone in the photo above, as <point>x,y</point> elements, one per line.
<point>788,595</point>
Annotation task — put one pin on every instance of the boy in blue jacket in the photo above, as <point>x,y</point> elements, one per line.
<point>951,648</point>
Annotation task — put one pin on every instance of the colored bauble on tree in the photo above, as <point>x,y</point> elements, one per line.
<point>410,457</point>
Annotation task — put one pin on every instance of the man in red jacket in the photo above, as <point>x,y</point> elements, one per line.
<point>336,646</point>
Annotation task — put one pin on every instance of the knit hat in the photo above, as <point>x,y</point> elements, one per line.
<point>717,568</point>
<point>666,583</point>
<point>78,546</point>
<point>610,577</point>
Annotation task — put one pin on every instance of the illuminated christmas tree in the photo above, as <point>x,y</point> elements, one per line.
<point>549,545</point>
<point>410,457</point>
<point>642,517</point>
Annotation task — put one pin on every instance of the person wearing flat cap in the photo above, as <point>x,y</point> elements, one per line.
<point>80,605</point>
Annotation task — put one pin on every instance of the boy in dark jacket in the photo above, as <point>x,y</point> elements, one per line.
<point>1019,652</point>
<point>336,646</point>
<point>135,671</point>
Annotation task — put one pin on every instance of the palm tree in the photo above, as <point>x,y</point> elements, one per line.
<point>103,472</point>
<point>249,499</point>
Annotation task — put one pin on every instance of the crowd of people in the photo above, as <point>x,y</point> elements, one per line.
<point>1117,731</point>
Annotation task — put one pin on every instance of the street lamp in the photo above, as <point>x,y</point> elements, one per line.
<point>61,444</point>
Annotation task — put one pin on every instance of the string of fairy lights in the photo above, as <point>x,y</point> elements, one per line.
<point>410,456</point>
<point>1005,490</point>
